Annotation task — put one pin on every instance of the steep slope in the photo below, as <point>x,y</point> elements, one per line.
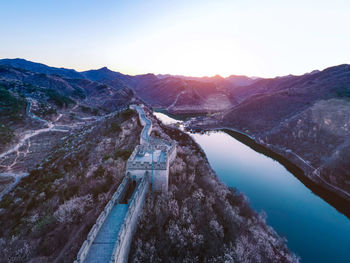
<point>182,95</point>
<point>50,212</point>
<point>157,92</point>
<point>198,213</point>
<point>179,94</point>
<point>81,90</point>
<point>305,118</point>
<point>37,110</point>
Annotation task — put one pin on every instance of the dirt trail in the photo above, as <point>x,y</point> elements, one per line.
<point>25,137</point>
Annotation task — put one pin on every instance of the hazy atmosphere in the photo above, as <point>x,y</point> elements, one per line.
<point>255,38</point>
<point>174,131</point>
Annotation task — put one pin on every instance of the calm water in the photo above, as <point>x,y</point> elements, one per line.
<point>315,230</point>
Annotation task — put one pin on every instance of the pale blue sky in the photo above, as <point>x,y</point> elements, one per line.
<point>251,37</point>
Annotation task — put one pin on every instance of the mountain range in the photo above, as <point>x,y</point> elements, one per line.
<point>65,138</point>
<point>304,118</point>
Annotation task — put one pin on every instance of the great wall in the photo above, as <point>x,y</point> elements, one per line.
<point>110,237</point>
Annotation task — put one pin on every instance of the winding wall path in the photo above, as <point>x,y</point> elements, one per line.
<point>110,238</point>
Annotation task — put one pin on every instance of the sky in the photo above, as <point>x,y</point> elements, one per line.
<point>264,38</point>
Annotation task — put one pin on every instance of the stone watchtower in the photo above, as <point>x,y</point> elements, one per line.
<point>152,159</point>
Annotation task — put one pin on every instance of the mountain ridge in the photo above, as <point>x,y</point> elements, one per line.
<point>67,154</point>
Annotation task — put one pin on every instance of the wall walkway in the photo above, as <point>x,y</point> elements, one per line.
<point>102,247</point>
<point>110,238</point>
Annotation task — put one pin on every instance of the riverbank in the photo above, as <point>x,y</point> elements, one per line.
<point>317,147</point>
<point>294,164</point>
<point>300,168</point>
<point>315,230</point>
<point>336,199</point>
<point>181,116</point>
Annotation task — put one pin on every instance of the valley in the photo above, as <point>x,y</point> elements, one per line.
<point>280,190</point>
<point>303,118</point>
<point>67,136</point>
<point>174,131</point>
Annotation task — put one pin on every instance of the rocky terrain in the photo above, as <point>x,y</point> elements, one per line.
<point>68,136</point>
<point>47,216</point>
<point>302,117</point>
<point>305,118</point>
<point>179,94</point>
<point>38,110</point>
<point>31,100</point>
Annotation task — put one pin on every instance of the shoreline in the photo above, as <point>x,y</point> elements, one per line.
<point>335,199</point>
<point>207,185</point>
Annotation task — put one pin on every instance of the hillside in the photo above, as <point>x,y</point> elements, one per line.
<point>302,117</point>
<point>305,118</point>
<point>179,94</point>
<point>187,223</point>
<point>40,68</point>
<point>49,213</point>
<point>185,95</point>
<point>64,149</point>
<point>52,97</point>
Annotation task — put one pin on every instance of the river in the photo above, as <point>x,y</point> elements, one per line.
<point>315,230</point>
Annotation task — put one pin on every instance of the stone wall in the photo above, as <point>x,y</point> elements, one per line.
<point>122,246</point>
<point>144,173</point>
<point>117,196</point>
<point>171,155</point>
<point>160,176</point>
<point>160,180</point>
<point>146,166</point>
<point>146,123</point>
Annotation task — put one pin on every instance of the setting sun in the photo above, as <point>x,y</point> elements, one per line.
<point>255,38</point>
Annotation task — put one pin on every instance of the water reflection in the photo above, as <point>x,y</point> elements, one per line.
<point>314,229</point>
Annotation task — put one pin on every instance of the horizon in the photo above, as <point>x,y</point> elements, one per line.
<point>176,131</point>
<point>176,75</point>
<point>189,38</point>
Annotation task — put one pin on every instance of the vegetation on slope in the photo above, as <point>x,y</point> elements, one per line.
<point>48,215</point>
<point>58,99</point>
<point>12,109</point>
<point>201,219</point>
<point>304,118</point>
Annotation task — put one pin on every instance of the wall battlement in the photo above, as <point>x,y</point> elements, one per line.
<point>122,246</point>
<point>148,163</point>
<point>146,166</point>
<point>139,162</point>
<point>117,196</point>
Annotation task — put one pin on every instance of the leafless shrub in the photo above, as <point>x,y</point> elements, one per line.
<point>14,250</point>
<point>70,210</point>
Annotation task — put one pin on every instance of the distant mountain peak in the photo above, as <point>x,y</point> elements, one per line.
<point>103,73</point>
<point>40,68</point>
